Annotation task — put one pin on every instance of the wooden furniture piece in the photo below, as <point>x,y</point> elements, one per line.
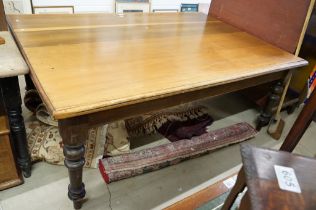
<point>199,198</point>
<point>280,23</point>
<point>12,65</point>
<point>308,52</point>
<point>263,188</point>
<point>303,121</point>
<point>10,175</point>
<point>292,139</point>
<point>3,23</point>
<point>92,69</point>
<point>301,124</point>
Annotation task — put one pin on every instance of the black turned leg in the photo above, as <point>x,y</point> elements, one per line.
<point>31,99</point>
<point>12,99</point>
<point>74,133</point>
<point>29,83</point>
<point>266,114</point>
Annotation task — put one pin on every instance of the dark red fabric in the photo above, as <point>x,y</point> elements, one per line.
<point>177,130</point>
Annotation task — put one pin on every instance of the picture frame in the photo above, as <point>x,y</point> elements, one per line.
<point>53,10</point>
<point>165,10</point>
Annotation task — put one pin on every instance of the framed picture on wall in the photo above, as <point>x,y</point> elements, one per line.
<point>189,7</point>
<point>54,10</point>
<point>165,10</point>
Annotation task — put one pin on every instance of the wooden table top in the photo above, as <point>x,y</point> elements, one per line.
<point>85,63</point>
<point>264,190</point>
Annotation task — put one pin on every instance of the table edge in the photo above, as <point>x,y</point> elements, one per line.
<point>69,112</point>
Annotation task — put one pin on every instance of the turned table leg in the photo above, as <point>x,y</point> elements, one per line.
<point>12,99</point>
<point>29,83</point>
<point>74,134</point>
<point>267,113</point>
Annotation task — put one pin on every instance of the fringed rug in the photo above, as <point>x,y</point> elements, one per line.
<point>151,123</point>
<point>45,144</point>
<point>136,163</point>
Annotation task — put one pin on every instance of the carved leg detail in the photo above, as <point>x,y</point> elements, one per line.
<point>266,114</point>
<point>74,161</point>
<point>12,99</point>
<point>74,135</point>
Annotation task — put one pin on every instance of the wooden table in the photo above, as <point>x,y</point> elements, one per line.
<point>13,65</point>
<point>92,69</point>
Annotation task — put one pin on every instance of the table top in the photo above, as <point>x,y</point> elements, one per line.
<point>85,63</point>
<point>12,62</point>
<point>264,190</point>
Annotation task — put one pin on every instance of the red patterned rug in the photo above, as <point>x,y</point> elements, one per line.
<point>136,163</point>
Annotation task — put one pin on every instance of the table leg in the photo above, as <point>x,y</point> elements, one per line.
<point>266,114</point>
<point>29,83</point>
<point>245,202</point>
<point>74,134</point>
<point>31,99</point>
<point>238,188</point>
<point>12,99</point>
<point>301,124</point>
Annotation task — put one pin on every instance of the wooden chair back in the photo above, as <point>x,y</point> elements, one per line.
<point>281,23</point>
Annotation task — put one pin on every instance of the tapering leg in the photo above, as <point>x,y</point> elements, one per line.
<point>266,114</point>
<point>12,99</point>
<point>245,202</point>
<point>238,188</point>
<point>74,134</point>
<point>31,99</point>
<point>29,83</point>
<point>301,124</point>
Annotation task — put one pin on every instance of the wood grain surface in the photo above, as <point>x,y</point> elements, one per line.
<point>86,63</point>
<point>263,188</point>
<point>200,198</point>
<point>277,22</point>
<point>9,175</point>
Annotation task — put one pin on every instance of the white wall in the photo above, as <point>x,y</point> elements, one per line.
<point>80,6</point>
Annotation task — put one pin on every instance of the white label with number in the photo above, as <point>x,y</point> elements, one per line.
<point>287,179</point>
<point>230,182</point>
